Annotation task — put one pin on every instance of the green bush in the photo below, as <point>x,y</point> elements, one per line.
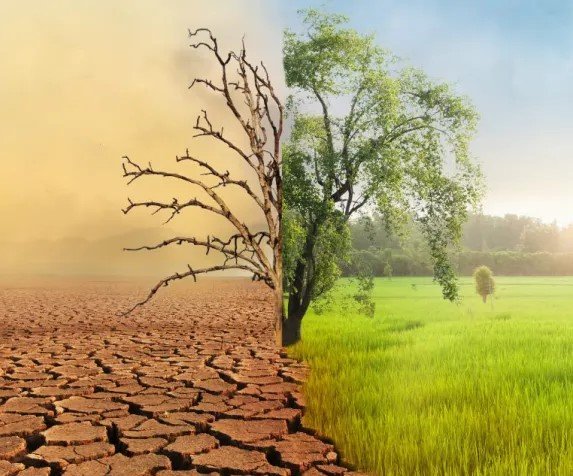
<point>485,285</point>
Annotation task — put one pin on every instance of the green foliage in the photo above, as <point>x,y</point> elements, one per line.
<point>516,263</point>
<point>506,263</point>
<point>293,233</point>
<point>359,298</point>
<point>307,217</point>
<point>427,387</point>
<point>331,246</point>
<point>388,270</point>
<point>497,242</point>
<point>401,147</point>
<point>485,284</point>
<point>364,285</point>
<point>363,295</point>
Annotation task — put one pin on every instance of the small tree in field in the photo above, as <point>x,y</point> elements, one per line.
<point>485,285</point>
<point>246,90</point>
<point>388,270</point>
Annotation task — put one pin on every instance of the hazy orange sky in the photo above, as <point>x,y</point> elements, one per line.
<point>81,85</point>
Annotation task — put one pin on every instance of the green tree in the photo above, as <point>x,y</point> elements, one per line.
<point>388,270</point>
<point>367,134</point>
<point>485,284</point>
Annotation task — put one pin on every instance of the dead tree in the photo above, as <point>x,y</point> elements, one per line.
<point>247,91</point>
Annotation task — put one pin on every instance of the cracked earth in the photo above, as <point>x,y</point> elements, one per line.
<point>192,384</point>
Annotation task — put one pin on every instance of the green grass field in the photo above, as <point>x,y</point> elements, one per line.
<point>430,387</point>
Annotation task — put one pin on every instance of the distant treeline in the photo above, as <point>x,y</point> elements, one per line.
<point>509,245</point>
<point>511,263</point>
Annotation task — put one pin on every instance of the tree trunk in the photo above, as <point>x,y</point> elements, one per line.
<point>278,288</point>
<point>300,292</point>
<point>291,330</point>
<point>279,316</point>
<point>297,307</point>
<point>298,302</point>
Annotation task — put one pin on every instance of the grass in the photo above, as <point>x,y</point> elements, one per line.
<point>429,387</point>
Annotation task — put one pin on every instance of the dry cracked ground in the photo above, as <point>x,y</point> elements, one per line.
<point>192,384</point>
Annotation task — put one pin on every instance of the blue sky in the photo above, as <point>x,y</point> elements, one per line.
<point>514,59</point>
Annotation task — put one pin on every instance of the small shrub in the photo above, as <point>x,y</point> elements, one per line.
<point>388,270</point>
<point>485,285</point>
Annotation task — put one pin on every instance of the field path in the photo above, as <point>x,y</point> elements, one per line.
<point>190,385</point>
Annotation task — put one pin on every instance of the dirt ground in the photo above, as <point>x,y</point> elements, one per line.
<point>191,384</point>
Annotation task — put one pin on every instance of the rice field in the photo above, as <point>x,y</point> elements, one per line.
<point>429,387</point>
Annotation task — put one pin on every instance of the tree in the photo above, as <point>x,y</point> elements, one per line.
<point>388,270</point>
<point>485,285</point>
<point>251,99</point>
<point>368,135</point>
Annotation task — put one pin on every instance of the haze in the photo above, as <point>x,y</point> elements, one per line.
<point>83,83</point>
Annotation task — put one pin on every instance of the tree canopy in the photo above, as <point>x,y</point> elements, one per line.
<point>368,134</point>
<point>485,285</point>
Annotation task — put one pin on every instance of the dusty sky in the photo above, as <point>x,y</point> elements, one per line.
<point>83,83</point>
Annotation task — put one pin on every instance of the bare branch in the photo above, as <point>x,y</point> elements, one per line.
<point>224,177</point>
<point>223,209</point>
<point>193,273</point>
<point>212,243</point>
